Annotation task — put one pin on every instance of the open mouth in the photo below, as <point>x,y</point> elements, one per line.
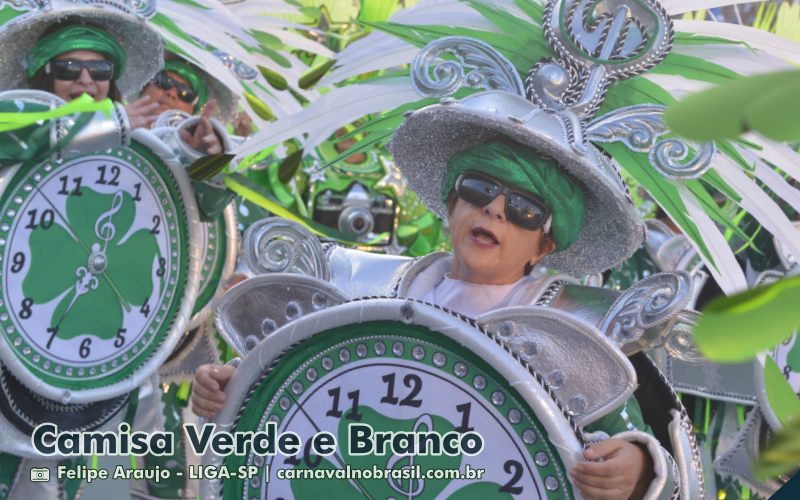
<point>485,236</point>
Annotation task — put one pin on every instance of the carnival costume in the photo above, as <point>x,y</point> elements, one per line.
<point>267,314</point>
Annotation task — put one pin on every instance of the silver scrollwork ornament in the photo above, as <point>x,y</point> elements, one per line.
<point>478,65</point>
<point>641,128</point>
<point>597,43</point>
<point>275,245</point>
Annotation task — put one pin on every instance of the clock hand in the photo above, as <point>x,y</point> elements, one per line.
<point>67,225</point>
<point>86,281</point>
<point>124,303</point>
<point>336,455</point>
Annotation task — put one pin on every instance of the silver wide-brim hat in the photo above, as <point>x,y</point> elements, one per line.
<point>428,138</point>
<point>140,42</point>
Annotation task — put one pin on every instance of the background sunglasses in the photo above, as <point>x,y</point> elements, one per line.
<point>521,209</point>
<point>166,82</point>
<point>71,69</point>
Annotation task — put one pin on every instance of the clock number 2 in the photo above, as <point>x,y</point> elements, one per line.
<point>411,381</point>
<point>515,469</point>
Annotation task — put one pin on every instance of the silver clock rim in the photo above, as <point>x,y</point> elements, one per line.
<point>561,433</point>
<point>180,322</point>
<point>231,254</point>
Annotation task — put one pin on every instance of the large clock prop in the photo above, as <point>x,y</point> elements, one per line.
<point>400,366</point>
<point>97,276</point>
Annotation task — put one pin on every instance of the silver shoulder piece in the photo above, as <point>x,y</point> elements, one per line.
<point>560,347</point>
<point>276,245</point>
<point>645,315</point>
<point>197,347</point>
<point>590,304</point>
<point>365,274</point>
<point>255,308</point>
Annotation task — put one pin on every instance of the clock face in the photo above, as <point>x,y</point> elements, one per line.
<point>786,356</point>
<point>401,378</point>
<point>94,265</point>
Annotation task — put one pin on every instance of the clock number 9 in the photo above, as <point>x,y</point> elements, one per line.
<point>84,350</point>
<point>17,262</point>
<point>409,381</point>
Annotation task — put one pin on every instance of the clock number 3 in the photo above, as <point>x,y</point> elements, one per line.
<point>411,381</point>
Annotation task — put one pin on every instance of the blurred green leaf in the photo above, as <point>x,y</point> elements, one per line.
<point>258,107</point>
<point>768,104</point>
<point>780,394</point>
<point>783,454</point>
<point>275,79</point>
<point>208,166</point>
<point>289,165</point>
<point>312,76</point>
<point>736,328</point>
<point>377,10</point>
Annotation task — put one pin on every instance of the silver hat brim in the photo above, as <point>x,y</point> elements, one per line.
<point>140,42</point>
<point>424,143</point>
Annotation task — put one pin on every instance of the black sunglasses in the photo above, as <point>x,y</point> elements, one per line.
<point>71,69</point>
<point>521,209</point>
<point>166,82</point>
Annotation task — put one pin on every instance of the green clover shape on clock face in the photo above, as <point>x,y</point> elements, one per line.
<point>399,378</point>
<point>93,265</point>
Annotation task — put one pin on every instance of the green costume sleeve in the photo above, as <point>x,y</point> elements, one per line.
<point>627,417</point>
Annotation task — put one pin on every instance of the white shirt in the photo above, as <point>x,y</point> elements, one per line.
<point>472,299</point>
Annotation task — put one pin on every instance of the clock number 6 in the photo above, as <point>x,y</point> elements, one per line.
<point>84,350</point>
<point>411,381</point>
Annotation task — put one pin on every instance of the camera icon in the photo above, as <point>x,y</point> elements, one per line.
<point>40,474</point>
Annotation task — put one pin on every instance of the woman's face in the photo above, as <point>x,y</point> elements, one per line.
<point>490,250</point>
<point>168,99</point>
<point>71,89</point>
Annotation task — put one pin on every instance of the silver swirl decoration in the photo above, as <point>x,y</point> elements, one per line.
<point>275,245</point>
<point>477,65</point>
<point>671,158</point>
<point>648,304</point>
<point>239,69</point>
<point>641,128</point>
<point>143,8</point>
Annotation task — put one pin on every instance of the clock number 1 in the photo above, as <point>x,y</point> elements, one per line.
<point>411,381</point>
<point>464,410</point>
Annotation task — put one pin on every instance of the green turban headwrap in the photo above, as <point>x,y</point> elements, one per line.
<point>76,37</point>
<point>522,167</point>
<point>192,77</point>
